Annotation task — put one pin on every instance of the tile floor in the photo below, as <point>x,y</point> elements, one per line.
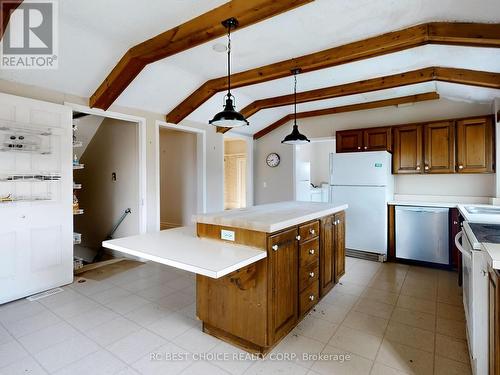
<point>388,318</point>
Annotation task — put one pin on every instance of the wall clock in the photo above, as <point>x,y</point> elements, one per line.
<point>273,159</point>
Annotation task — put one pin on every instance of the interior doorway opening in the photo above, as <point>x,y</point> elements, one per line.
<point>312,170</point>
<point>107,177</point>
<point>235,173</point>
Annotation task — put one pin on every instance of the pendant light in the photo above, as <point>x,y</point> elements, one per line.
<point>295,137</point>
<point>229,117</point>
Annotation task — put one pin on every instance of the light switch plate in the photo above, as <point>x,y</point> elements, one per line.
<point>227,235</point>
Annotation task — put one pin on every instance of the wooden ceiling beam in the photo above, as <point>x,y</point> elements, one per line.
<point>447,33</point>
<point>6,9</point>
<point>190,34</point>
<point>349,108</point>
<point>452,75</point>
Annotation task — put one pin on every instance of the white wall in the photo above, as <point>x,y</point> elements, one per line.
<point>215,147</point>
<point>113,149</point>
<point>178,177</point>
<point>279,180</point>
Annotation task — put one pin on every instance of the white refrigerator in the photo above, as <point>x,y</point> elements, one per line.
<point>363,180</point>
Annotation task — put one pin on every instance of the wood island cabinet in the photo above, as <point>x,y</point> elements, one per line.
<point>475,145</point>
<point>283,258</point>
<point>494,322</point>
<point>256,306</point>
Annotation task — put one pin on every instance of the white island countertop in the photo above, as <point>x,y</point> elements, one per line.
<point>271,217</point>
<point>181,248</point>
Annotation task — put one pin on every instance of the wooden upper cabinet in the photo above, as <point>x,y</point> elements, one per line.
<point>407,153</point>
<point>377,139</point>
<point>283,260</point>
<point>349,141</point>
<point>475,145</point>
<point>372,139</point>
<point>439,147</point>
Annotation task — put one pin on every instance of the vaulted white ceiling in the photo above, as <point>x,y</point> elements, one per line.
<point>94,34</point>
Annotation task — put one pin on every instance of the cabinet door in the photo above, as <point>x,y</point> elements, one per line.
<point>327,260</point>
<point>339,245</point>
<point>407,156</point>
<point>439,147</point>
<point>377,139</point>
<point>283,254</point>
<point>494,323</point>
<point>475,145</point>
<point>349,140</point>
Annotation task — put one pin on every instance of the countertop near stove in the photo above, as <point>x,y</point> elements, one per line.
<point>479,241</point>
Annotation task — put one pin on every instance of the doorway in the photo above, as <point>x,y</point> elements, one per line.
<point>181,174</point>
<point>108,180</point>
<point>312,170</point>
<point>235,173</point>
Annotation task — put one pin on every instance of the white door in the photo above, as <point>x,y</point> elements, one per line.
<point>36,240</point>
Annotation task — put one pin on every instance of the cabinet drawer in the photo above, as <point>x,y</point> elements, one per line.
<point>308,298</point>
<point>309,252</point>
<point>308,275</point>
<point>308,231</point>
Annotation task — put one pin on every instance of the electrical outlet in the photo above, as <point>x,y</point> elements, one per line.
<point>227,235</point>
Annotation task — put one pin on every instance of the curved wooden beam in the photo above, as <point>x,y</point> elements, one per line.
<point>348,108</point>
<point>446,33</point>
<point>452,75</point>
<point>190,34</point>
<point>6,9</point>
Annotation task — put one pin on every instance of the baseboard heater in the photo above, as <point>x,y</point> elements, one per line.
<point>365,255</point>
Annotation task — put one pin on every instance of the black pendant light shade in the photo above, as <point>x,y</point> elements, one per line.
<point>229,117</point>
<point>295,137</point>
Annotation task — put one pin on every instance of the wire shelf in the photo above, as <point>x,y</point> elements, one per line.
<point>30,177</point>
<point>78,166</point>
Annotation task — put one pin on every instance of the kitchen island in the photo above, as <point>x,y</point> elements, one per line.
<point>257,305</point>
<point>260,270</point>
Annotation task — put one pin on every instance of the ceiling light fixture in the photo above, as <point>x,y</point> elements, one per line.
<point>295,137</point>
<point>229,117</point>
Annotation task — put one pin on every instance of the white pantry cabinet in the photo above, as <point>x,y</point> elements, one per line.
<point>36,223</point>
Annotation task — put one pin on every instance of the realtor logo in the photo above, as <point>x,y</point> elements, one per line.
<point>30,37</point>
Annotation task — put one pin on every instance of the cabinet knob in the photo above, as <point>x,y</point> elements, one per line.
<point>455,222</point>
<point>298,238</point>
<point>366,147</point>
<point>338,221</point>
<point>311,251</point>
<point>311,297</point>
<point>275,247</point>
<point>418,167</point>
<point>312,231</point>
<point>460,166</point>
<point>426,167</point>
<point>359,147</point>
<point>311,274</point>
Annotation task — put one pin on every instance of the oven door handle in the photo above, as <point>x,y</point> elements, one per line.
<point>459,246</point>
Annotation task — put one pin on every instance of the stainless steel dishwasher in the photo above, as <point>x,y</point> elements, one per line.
<point>422,233</point>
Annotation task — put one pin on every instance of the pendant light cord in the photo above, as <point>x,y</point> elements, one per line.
<point>229,61</point>
<point>295,99</point>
